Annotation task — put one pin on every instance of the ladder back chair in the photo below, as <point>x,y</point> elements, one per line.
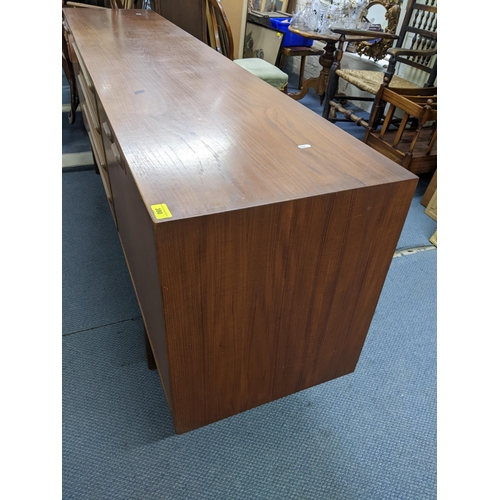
<point>221,39</point>
<point>414,57</point>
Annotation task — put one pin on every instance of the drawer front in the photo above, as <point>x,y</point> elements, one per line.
<point>86,86</point>
<point>90,116</point>
<point>91,108</point>
<point>81,64</point>
<point>113,153</point>
<point>100,157</point>
<point>91,121</point>
<point>68,36</point>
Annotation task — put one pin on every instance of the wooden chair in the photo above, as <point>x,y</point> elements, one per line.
<point>415,52</point>
<point>221,39</point>
<point>408,132</point>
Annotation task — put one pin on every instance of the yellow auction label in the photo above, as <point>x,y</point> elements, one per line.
<point>161,211</point>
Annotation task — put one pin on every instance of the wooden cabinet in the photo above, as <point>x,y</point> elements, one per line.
<point>257,234</point>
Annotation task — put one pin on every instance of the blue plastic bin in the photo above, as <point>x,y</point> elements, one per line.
<point>290,39</point>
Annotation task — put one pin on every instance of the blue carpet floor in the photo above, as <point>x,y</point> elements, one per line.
<point>369,435</point>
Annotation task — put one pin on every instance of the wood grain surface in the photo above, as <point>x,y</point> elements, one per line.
<point>204,136</point>
<point>265,279</point>
<point>265,302</point>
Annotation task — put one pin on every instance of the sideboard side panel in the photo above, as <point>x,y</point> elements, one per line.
<point>265,302</point>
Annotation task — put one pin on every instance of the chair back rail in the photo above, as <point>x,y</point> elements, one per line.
<point>409,140</point>
<point>221,39</point>
<point>415,50</point>
<point>419,32</point>
<point>220,28</point>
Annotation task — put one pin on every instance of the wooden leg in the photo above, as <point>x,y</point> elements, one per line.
<point>333,80</point>
<point>333,83</point>
<point>282,61</point>
<point>302,67</point>
<point>149,352</point>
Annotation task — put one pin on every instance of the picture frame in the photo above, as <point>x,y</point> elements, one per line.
<point>273,5</point>
<point>262,42</point>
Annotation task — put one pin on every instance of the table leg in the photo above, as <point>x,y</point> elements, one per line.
<point>319,82</point>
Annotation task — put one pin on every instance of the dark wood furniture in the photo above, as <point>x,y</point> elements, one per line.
<point>416,48</point>
<point>257,234</point>
<point>408,132</point>
<point>402,126</point>
<point>301,52</point>
<point>319,83</point>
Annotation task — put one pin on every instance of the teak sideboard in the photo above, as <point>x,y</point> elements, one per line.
<point>257,234</point>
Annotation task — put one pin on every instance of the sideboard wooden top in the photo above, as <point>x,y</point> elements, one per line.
<point>201,134</point>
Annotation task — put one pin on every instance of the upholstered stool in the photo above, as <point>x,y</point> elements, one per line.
<point>265,71</point>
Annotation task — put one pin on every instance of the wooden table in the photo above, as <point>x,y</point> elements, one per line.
<point>257,234</point>
<point>319,83</point>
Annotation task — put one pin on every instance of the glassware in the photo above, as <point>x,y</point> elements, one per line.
<point>310,17</point>
<point>359,12</point>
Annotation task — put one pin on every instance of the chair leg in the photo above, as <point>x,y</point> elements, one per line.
<point>378,114</point>
<point>302,68</point>
<point>282,62</point>
<point>331,91</point>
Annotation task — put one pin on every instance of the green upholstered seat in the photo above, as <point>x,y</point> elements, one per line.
<point>221,39</point>
<point>265,71</point>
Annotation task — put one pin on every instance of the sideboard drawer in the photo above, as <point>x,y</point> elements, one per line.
<point>68,37</point>
<point>86,87</point>
<point>81,64</point>
<point>100,159</point>
<point>112,151</point>
<point>93,120</point>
